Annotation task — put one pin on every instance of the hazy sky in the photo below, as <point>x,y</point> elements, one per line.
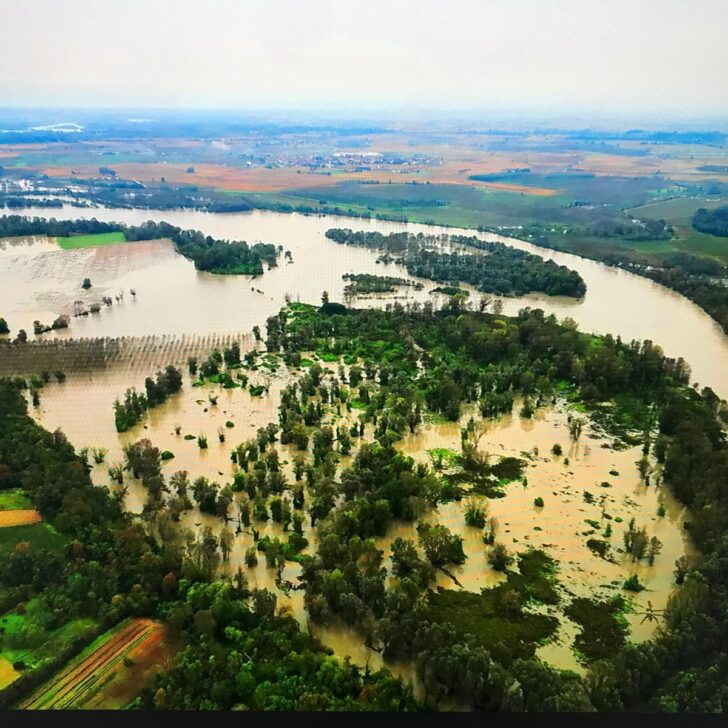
<point>610,55</point>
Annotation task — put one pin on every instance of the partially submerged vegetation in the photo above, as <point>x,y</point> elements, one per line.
<point>207,253</point>
<point>389,370</point>
<point>98,577</point>
<point>603,629</point>
<point>500,269</point>
<point>362,284</point>
<point>130,411</point>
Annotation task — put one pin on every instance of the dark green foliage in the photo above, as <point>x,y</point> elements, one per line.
<point>499,558</point>
<point>440,546</point>
<point>88,558</point>
<point>241,652</point>
<point>503,270</point>
<point>633,584</point>
<point>131,410</point>
<point>365,283</point>
<point>603,629</point>
<point>713,222</point>
<point>483,616</point>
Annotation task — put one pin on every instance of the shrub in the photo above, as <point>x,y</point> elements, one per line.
<point>499,558</point>
<point>634,584</point>
<point>475,514</point>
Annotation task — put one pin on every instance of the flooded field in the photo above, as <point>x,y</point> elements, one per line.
<point>178,311</point>
<point>599,484</point>
<point>41,281</point>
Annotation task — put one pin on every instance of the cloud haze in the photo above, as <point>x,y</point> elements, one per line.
<point>611,55</point>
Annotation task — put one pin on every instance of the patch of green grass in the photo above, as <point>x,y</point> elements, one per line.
<point>603,627</point>
<point>679,212</point>
<point>444,454</point>
<point>14,499</point>
<point>328,356</point>
<point>90,241</point>
<point>435,418</point>
<point>625,419</point>
<point>40,535</point>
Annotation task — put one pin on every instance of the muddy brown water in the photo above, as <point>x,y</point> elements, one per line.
<point>175,303</point>
<point>82,407</point>
<point>40,281</point>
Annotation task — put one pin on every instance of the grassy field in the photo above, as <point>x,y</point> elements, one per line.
<point>90,241</point>
<point>679,212</point>
<point>565,219</point>
<point>581,200</point>
<point>40,535</point>
<point>13,499</point>
<point>109,673</point>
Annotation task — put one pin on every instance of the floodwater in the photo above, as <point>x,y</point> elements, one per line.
<point>39,282</point>
<point>82,407</point>
<point>174,302</point>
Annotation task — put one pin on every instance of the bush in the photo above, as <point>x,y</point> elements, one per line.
<point>538,502</point>
<point>634,584</point>
<point>475,515</point>
<point>499,558</point>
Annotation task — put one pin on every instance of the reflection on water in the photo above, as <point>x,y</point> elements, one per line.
<point>82,407</point>
<point>174,298</point>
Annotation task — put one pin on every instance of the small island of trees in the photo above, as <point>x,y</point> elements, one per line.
<point>499,269</point>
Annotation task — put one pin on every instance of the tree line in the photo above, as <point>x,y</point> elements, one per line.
<point>129,411</point>
<point>502,269</point>
<point>207,253</point>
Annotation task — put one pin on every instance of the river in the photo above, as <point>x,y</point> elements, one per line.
<point>39,281</point>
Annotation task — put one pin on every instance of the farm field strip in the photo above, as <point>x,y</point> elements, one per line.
<point>19,517</point>
<point>79,679</point>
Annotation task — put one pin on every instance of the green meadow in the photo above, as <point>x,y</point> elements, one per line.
<point>90,241</point>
